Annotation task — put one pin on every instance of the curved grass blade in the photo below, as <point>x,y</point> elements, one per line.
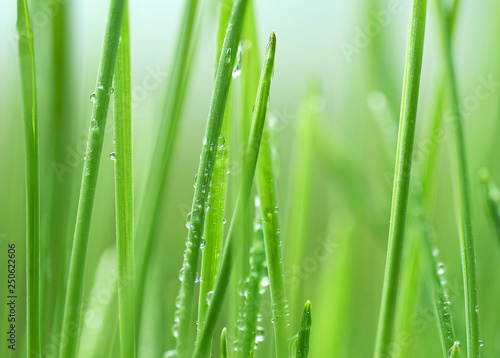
<point>492,196</point>
<point>159,168</point>
<point>223,343</point>
<point>100,101</point>
<point>462,197</point>
<point>249,334</point>
<point>269,213</point>
<point>249,165</point>
<point>304,332</point>
<point>402,175</point>
<point>205,171</point>
<point>30,117</point>
<point>124,196</point>
<point>214,221</point>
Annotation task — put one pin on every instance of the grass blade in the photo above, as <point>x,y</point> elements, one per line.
<point>304,332</point>
<point>402,175</point>
<point>124,197</point>
<point>205,171</point>
<point>248,331</point>
<point>214,221</point>
<point>249,165</point>
<point>30,117</point>
<point>159,167</point>
<point>267,194</point>
<point>100,101</point>
<point>223,343</point>
<point>462,197</point>
<point>492,196</point>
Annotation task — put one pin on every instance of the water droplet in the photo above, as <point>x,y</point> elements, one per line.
<point>92,97</point>
<point>209,297</point>
<point>87,171</point>
<point>203,243</point>
<point>440,268</point>
<point>265,281</point>
<point>207,206</point>
<point>171,353</point>
<point>228,55</point>
<point>112,156</point>
<point>111,90</point>
<point>477,308</point>
<point>224,221</point>
<point>221,142</point>
<point>237,67</point>
<point>100,85</point>
<point>181,274</point>
<point>194,180</point>
<point>481,343</point>
<point>188,220</point>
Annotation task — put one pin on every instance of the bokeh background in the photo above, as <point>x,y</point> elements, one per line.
<point>346,209</point>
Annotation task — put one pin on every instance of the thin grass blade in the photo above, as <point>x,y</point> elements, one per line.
<point>124,197</point>
<point>304,332</point>
<point>30,117</point>
<point>401,187</point>
<point>223,344</point>
<point>100,99</point>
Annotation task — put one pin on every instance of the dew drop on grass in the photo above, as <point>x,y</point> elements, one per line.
<point>194,180</point>
<point>440,268</point>
<point>171,353</point>
<point>207,206</point>
<point>221,142</point>
<point>481,343</point>
<point>228,55</point>
<point>181,274</point>
<point>87,171</point>
<point>209,297</point>
<point>92,97</point>
<point>203,243</point>
<point>237,67</point>
<point>188,220</point>
<point>224,221</point>
<point>112,156</point>
<point>111,90</point>
<point>100,85</point>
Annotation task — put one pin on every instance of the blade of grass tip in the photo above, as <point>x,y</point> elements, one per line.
<point>462,197</point>
<point>214,221</point>
<point>124,198</point>
<point>249,334</point>
<point>223,343</point>
<point>492,198</point>
<point>455,351</point>
<point>205,171</point>
<point>409,106</point>
<point>100,99</point>
<point>249,166</point>
<point>167,134</point>
<point>304,332</point>
<point>269,213</point>
<point>30,117</point>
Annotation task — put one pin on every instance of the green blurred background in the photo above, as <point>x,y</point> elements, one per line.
<point>348,198</point>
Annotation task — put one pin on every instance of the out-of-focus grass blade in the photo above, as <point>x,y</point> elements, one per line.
<point>167,134</point>
<point>249,165</point>
<point>462,193</point>
<point>196,222</point>
<point>214,221</point>
<point>100,99</point>
<point>492,196</point>
<point>402,175</point>
<point>124,196</point>
<point>30,117</point>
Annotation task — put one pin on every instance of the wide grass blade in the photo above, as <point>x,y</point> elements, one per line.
<point>200,204</point>
<point>249,166</point>
<point>267,193</point>
<point>100,99</point>
<point>30,117</point>
<point>167,133</point>
<point>214,221</point>
<point>304,332</point>
<point>124,197</point>
<point>401,187</point>
<point>463,199</point>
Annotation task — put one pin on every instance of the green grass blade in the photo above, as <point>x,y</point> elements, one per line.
<point>455,351</point>
<point>249,165</point>
<point>214,221</point>
<point>223,343</point>
<point>402,175</point>
<point>30,117</point>
<point>100,106</point>
<point>492,196</point>
<point>248,329</point>
<point>160,165</point>
<point>267,194</point>
<point>304,332</point>
<point>205,171</point>
<point>124,198</point>
<point>462,198</point>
